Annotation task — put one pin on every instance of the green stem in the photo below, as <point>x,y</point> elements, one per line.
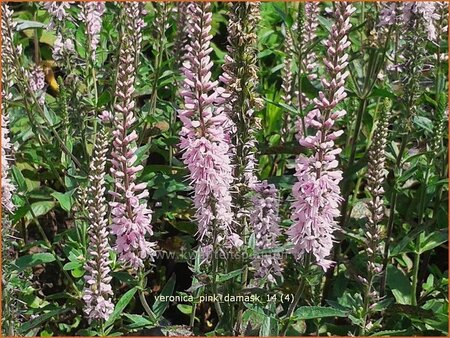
<point>192,316</point>
<point>153,100</point>
<point>214,281</point>
<point>241,308</point>
<point>143,283</point>
<point>362,329</point>
<point>292,306</point>
<point>356,131</point>
<point>415,274</point>
<point>390,225</point>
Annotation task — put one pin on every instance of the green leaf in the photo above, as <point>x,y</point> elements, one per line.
<point>65,200</point>
<point>19,178</point>
<point>312,312</point>
<point>120,306</point>
<point>432,240</point>
<point>423,123</point>
<point>77,272</point>
<point>29,325</point>
<point>269,327</point>
<point>71,265</point>
<point>34,259</point>
<point>388,333</point>
<point>222,277</point>
<point>27,24</point>
<point>184,308</point>
<point>399,285</point>
<point>282,106</point>
<point>39,209</point>
<point>138,321</point>
<point>160,306</point>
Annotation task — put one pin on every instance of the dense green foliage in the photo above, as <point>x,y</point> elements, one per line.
<point>46,248</point>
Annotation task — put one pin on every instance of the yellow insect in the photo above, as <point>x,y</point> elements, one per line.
<point>47,66</point>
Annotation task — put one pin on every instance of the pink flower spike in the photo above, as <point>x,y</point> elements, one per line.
<point>316,193</point>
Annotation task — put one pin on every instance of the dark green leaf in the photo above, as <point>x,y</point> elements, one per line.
<point>27,326</point>
<point>160,306</point>
<point>34,259</point>
<point>120,306</point>
<point>399,285</point>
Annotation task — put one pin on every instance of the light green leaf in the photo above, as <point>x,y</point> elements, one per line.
<point>71,265</point>
<point>138,321</point>
<point>222,277</point>
<point>39,209</point>
<point>312,312</point>
<point>184,308</point>
<point>433,240</point>
<point>65,199</point>
<point>269,327</point>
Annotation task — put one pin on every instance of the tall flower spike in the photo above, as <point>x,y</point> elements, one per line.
<point>312,10</point>
<point>303,33</point>
<point>240,99</point>
<point>8,72</point>
<point>161,22</point>
<point>91,14</point>
<point>131,218</point>
<point>316,192</point>
<point>376,175</point>
<point>403,13</point>
<point>287,82</point>
<point>12,307</point>
<point>98,292</point>
<point>204,139</point>
<point>427,11</point>
<point>265,220</point>
<point>182,39</point>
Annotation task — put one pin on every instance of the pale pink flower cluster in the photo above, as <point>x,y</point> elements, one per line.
<point>287,75</point>
<point>309,59</point>
<point>316,192</point>
<point>98,292</point>
<point>428,11</point>
<point>36,78</point>
<point>62,47</point>
<point>389,13</point>
<point>130,215</point>
<point>8,187</point>
<point>264,222</point>
<point>402,13</point>
<point>91,14</point>
<point>203,138</point>
<point>57,10</point>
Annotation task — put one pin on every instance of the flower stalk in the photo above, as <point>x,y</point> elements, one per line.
<point>317,192</point>
<point>98,292</point>
<point>204,139</point>
<point>376,175</point>
<point>131,218</point>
